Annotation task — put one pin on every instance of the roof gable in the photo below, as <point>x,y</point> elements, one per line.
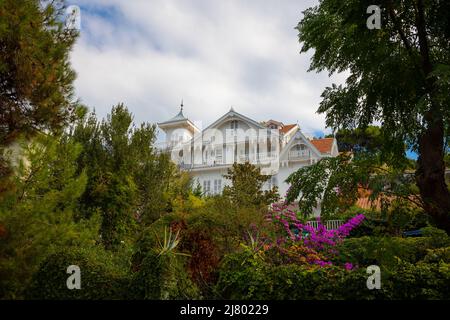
<point>324,145</point>
<point>299,136</point>
<point>231,114</point>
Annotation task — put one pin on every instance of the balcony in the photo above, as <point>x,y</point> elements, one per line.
<point>264,158</point>
<point>205,164</point>
<point>299,155</point>
<point>258,158</point>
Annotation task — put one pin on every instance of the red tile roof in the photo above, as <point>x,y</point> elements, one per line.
<point>323,145</point>
<point>286,128</point>
<point>366,203</point>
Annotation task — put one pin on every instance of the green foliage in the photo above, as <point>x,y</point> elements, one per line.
<point>36,91</point>
<point>164,277</point>
<point>38,213</point>
<point>394,222</point>
<point>208,231</point>
<point>438,255</point>
<point>128,180</point>
<point>100,278</point>
<point>388,251</point>
<point>116,210</point>
<point>403,218</point>
<point>369,139</point>
<point>336,183</point>
<point>398,75</point>
<point>384,84</point>
<point>247,183</point>
<point>447,160</point>
<point>418,282</point>
<point>244,275</point>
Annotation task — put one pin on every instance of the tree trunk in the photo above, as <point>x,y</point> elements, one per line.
<point>430,175</point>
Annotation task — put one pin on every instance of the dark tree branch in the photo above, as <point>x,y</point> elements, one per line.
<point>399,29</point>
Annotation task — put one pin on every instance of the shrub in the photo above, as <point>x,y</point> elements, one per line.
<point>160,271</point>
<point>98,279</point>
<point>438,255</point>
<point>163,276</point>
<point>399,218</point>
<point>207,233</point>
<point>387,251</point>
<point>420,281</point>
<point>319,239</point>
<point>245,276</point>
<point>404,217</point>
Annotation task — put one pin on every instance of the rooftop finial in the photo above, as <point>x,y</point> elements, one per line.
<point>181,105</point>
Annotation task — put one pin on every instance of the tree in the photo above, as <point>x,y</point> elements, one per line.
<point>36,80</point>
<point>128,180</point>
<point>399,75</point>
<point>369,139</point>
<point>336,183</point>
<point>37,214</point>
<point>247,183</point>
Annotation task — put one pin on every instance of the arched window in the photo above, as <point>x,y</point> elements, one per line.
<point>299,151</point>
<point>299,147</point>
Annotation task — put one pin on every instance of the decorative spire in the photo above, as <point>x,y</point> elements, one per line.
<point>181,105</point>
<point>231,109</point>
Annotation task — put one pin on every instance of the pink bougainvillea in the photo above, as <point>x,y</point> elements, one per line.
<point>317,238</point>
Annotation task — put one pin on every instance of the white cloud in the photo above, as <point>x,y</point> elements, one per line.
<point>212,54</point>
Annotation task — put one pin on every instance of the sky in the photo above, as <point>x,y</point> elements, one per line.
<point>213,55</point>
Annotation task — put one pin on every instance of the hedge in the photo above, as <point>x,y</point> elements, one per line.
<point>387,250</point>
<point>159,277</point>
<point>98,282</point>
<point>246,277</point>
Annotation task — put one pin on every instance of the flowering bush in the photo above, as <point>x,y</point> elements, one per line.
<point>319,243</point>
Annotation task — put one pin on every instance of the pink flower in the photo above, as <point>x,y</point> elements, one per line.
<point>319,239</point>
<point>348,266</point>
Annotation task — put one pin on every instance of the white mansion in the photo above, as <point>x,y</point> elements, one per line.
<point>277,148</point>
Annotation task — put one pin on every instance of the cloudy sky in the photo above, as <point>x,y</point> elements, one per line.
<point>213,54</point>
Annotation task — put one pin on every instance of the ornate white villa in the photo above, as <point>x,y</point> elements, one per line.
<point>279,149</point>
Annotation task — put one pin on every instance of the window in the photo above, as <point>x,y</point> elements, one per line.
<point>217,186</point>
<point>234,124</point>
<point>206,187</point>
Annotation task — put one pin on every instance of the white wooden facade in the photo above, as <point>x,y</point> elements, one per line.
<point>207,154</point>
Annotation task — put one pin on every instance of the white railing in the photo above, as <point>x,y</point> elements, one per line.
<point>329,225</point>
<point>245,157</point>
<point>267,156</point>
<point>301,154</point>
<point>334,224</point>
<point>200,165</point>
<point>263,157</point>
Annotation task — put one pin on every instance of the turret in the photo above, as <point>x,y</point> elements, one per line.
<point>178,129</point>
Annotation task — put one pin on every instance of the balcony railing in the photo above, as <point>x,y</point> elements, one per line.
<point>205,164</point>
<point>219,161</point>
<point>299,154</point>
